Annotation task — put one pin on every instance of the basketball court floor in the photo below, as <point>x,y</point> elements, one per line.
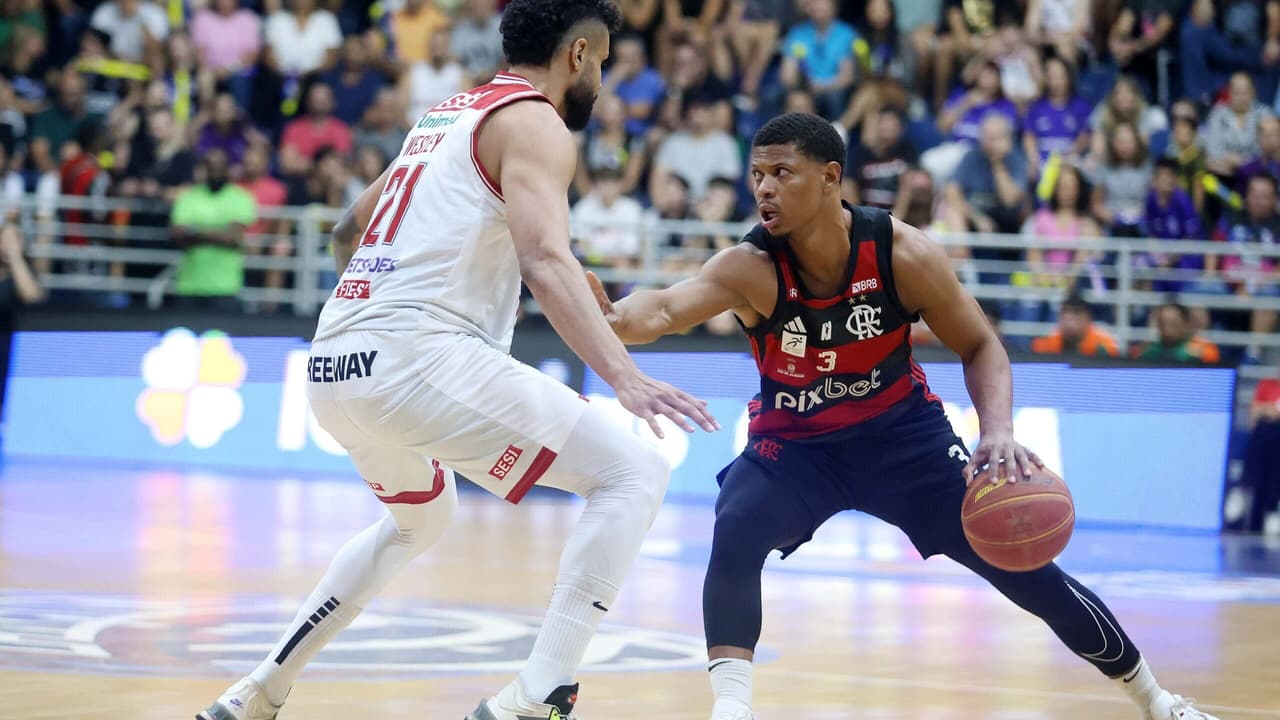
<point>140,593</point>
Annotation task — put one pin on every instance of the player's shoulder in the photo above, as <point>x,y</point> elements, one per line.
<point>533,125</point>
<point>913,249</point>
<point>743,265</point>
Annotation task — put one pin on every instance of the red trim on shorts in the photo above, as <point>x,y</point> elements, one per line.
<point>419,497</point>
<point>531,476</point>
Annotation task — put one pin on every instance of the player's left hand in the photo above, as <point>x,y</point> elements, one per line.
<point>1004,456</point>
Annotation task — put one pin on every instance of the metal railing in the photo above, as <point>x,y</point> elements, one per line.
<point>119,255</point>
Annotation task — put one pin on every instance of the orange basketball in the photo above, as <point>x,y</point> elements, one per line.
<point>1018,526</point>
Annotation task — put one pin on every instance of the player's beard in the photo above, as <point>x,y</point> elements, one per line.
<point>579,99</point>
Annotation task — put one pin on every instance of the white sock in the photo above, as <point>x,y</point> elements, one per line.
<point>1139,684</point>
<point>566,631</point>
<point>731,680</point>
<point>362,567</point>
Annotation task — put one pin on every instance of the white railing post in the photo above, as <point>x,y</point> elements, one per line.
<point>1124,285</point>
<point>308,274</point>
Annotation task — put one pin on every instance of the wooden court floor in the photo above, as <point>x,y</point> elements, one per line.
<point>140,594</point>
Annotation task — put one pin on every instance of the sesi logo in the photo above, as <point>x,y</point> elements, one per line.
<point>509,458</point>
<point>352,290</point>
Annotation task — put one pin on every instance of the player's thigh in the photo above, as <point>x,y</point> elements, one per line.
<point>767,508</point>
<point>415,489</point>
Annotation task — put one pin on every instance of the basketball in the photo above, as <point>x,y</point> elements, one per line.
<point>1018,526</point>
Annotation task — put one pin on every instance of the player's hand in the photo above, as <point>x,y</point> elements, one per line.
<point>647,398</point>
<point>1005,457</point>
<point>602,297</point>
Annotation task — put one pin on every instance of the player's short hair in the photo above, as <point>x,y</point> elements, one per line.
<point>814,137</point>
<point>533,29</point>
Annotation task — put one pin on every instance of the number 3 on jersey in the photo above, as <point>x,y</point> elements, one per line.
<point>398,192</point>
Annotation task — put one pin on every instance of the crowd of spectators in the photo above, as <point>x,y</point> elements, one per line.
<point>1058,119</point>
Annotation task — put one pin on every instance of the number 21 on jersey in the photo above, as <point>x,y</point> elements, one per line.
<point>397,193</point>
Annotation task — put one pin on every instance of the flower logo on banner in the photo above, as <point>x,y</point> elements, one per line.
<point>191,388</point>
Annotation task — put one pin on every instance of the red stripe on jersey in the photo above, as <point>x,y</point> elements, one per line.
<point>868,266</point>
<point>419,497</point>
<point>868,355</point>
<point>505,95</point>
<point>531,476</point>
<point>917,374</point>
<point>786,425</point>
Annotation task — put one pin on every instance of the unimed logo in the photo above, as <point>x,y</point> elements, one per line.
<point>192,384</point>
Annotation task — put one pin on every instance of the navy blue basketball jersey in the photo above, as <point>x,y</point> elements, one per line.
<point>827,364</point>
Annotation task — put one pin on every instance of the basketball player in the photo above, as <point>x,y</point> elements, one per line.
<point>827,293</point>
<point>409,369</point>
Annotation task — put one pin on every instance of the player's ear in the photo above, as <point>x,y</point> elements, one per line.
<point>833,174</point>
<point>578,54</point>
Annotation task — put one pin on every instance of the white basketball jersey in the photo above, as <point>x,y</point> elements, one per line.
<point>437,254</point>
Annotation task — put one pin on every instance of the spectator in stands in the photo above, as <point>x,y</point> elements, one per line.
<point>1058,123</point>
<point>691,81</point>
<point>915,200</point>
<point>1259,224</point>
<point>1020,68</point>
<point>606,222</point>
<point>304,137</point>
<point>1143,28</point>
<point>22,69</point>
<point>1231,130</point>
<point>1125,103</point>
<point>917,22</point>
<point>166,167</point>
<point>12,188</point>
<point>1171,215</point>
<point>208,223</point>
<point>302,39</point>
<point>872,172</point>
<point>697,153</point>
<point>411,26</point>
<point>1076,334</point>
<point>962,118</point>
<point>1267,161</point>
<point>1059,25</point>
<point>428,83</point>
<point>818,54</point>
<point>265,237</point>
<point>1177,341</point>
<point>968,28</point>
<point>1262,458</point>
<point>1207,57</point>
<point>632,80</point>
<point>990,184</point>
<point>610,146</point>
<point>1185,150</point>
<point>224,128</point>
<point>1121,181</point>
<point>881,71</point>
<point>752,28</point>
<point>63,120</point>
<point>477,43</point>
<point>369,164</point>
<point>227,37</point>
<point>686,21</point>
<point>354,82</point>
<point>671,202</point>
<point>136,28</point>
<point>1065,219</point>
<point>382,126</point>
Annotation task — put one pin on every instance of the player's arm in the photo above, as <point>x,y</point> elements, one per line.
<point>927,284</point>
<point>354,220</point>
<point>536,161</point>
<point>646,315</point>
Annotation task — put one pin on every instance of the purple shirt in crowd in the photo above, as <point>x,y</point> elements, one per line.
<point>234,144</point>
<point>1178,220</point>
<point>1056,128</point>
<point>1254,168</point>
<point>969,126</point>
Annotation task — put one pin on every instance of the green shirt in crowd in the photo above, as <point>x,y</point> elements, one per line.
<point>210,270</point>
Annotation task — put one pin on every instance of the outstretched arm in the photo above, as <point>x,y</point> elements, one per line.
<point>927,283</point>
<point>646,315</point>
<point>354,221</point>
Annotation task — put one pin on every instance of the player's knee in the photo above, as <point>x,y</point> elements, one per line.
<point>420,525</point>
<point>653,473</point>
<point>739,538</point>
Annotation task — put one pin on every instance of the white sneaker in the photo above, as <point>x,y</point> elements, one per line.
<point>1167,706</point>
<point>246,700</point>
<point>512,704</point>
<point>726,709</point>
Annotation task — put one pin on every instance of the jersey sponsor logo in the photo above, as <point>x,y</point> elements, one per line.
<point>372,265</point>
<point>461,101</point>
<point>833,389</point>
<point>431,121</point>
<point>864,322</point>
<point>863,286</point>
<point>337,368</point>
<point>352,290</point>
<point>791,370</point>
<point>509,458</point>
<point>794,340</point>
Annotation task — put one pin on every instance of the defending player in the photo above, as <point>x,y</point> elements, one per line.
<point>827,293</point>
<point>410,360</point>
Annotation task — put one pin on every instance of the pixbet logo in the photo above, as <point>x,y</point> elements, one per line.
<point>832,389</point>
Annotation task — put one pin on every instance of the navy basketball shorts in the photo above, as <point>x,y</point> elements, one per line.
<point>904,466</point>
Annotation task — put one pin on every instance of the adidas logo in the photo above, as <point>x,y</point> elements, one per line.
<point>796,326</point>
<point>794,340</point>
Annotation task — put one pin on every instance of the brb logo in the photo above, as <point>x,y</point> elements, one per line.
<point>191,388</point>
